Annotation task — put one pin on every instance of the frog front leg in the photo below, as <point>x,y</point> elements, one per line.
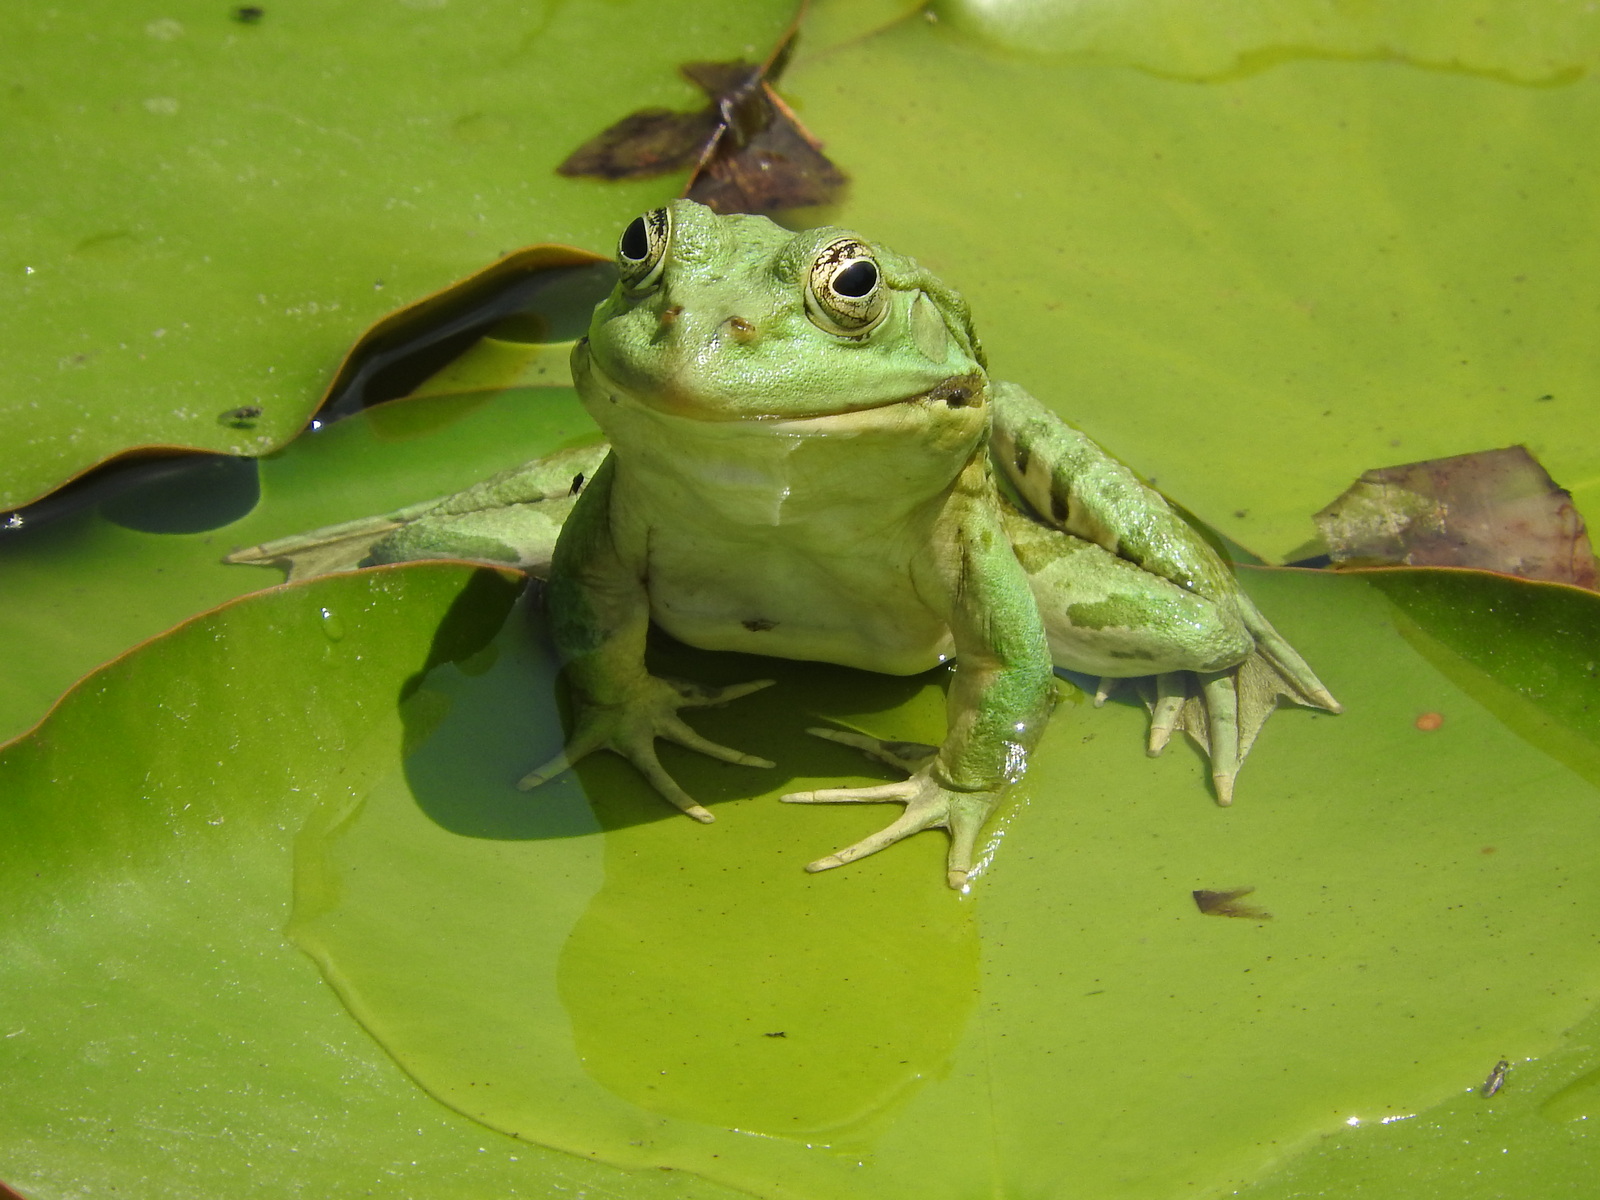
<point>1000,695</point>
<point>600,615</point>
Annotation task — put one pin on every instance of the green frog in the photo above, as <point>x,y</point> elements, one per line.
<point>808,459</point>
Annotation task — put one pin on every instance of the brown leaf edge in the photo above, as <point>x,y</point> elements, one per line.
<point>389,330</point>
<point>401,325</point>
<point>481,576</point>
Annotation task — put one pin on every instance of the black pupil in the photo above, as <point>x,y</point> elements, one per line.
<point>856,280</point>
<point>635,243</point>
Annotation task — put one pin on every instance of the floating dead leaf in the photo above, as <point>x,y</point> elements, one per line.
<point>748,150</point>
<point>1226,904</point>
<point>1496,509</point>
<point>649,142</point>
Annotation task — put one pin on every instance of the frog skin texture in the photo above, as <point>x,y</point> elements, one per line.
<point>807,459</point>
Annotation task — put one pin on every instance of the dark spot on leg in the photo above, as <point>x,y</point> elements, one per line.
<point>577,484</point>
<point>1058,507</point>
<point>1022,458</point>
<point>759,624</point>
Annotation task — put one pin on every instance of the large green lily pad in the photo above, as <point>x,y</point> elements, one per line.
<point>1241,222</point>
<point>581,968</point>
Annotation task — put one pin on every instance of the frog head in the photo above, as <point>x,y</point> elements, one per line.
<point>731,318</point>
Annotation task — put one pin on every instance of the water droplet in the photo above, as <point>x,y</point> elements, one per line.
<point>332,626</point>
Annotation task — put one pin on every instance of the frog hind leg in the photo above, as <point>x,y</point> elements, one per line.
<point>1214,669</point>
<point>510,519</point>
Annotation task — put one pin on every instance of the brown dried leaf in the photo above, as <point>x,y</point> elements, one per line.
<point>765,161</point>
<point>749,150</point>
<point>1226,904</point>
<point>649,142</point>
<point>1495,509</point>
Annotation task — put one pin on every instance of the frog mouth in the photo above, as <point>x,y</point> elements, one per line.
<point>968,391</point>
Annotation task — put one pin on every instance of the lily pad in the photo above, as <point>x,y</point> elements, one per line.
<point>84,587</point>
<point>523,958</point>
<point>158,1033</point>
<point>1244,222</point>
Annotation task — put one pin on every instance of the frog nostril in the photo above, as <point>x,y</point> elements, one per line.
<point>670,315</point>
<point>741,329</point>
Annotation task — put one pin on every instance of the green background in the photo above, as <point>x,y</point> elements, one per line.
<point>275,920</point>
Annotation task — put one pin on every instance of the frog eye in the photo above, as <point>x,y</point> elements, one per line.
<point>642,249</point>
<point>846,295</point>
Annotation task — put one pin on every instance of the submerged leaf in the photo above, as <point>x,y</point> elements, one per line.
<point>1496,509</point>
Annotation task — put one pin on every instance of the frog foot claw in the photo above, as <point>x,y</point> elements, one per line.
<point>929,805</point>
<point>632,727</point>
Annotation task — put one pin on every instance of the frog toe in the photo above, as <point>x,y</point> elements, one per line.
<point>1166,710</point>
<point>904,790</point>
<point>585,740</point>
<point>902,827</point>
<point>1221,694</point>
<point>677,732</point>
<point>908,756</point>
<point>643,756</point>
<point>700,695</point>
<point>963,846</point>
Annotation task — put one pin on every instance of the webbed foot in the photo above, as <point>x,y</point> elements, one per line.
<point>1227,709</point>
<point>632,727</point>
<point>929,805</point>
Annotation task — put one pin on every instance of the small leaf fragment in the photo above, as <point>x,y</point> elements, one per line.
<point>1494,509</point>
<point>1226,904</point>
<point>652,141</point>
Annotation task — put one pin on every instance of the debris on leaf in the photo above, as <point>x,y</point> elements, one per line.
<point>649,142</point>
<point>243,417</point>
<point>1496,1080</point>
<point>1495,509</point>
<point>749,152</point>
<point>1226,904</point>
